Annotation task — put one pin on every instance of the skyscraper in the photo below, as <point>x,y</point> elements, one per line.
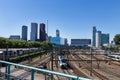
<point>94,36</point>
<point>98,39</point>
<point>34,31</point>
<point>105,39</point>
<point>66,41</point>
<point>24,32</point>
<point>57,33</point>
<point>42,34</point>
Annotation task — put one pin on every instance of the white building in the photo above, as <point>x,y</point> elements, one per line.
<point>98,39</point>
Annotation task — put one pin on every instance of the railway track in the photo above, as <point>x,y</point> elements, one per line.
<point>112,62</point>
<point>76,69</point>
<point>58,68</point>
<point>107,69</point>
<point>27,72</point>
<point>40,61</point>
<point>100,76</point>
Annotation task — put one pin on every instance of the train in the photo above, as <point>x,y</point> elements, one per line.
<point>114,57</point>
<point>63,62</point>
<point>16,52</point>
<point>42,66</point>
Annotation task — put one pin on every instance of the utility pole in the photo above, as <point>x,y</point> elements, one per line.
<point>6,58</point>
<point>52,63</point>
<point>91,61</point>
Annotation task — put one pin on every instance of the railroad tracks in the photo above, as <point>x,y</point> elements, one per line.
<point>19,72</point>
<point>100,76</point>
<point>109,70</point>
<point>57,67</point>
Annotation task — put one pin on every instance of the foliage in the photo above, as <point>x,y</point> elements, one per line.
<point>25,57</point>
<point>112,48</point>
<point>117,39</point>
<point>46,45</point>
<point>12,43</point>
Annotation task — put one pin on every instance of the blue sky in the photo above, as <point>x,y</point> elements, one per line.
<point>74,18</point>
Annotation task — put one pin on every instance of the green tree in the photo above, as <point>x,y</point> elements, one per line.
<point>117,39</point>
<point>13,43</point>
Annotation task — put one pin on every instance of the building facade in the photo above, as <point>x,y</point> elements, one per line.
<point>57,40</point>
<point>98,39</point>
<point>80,42</point>
<point>57,33</point>
<point>14,37</point>
<point>66,41</point>
<point>24,32</point>
<point>34,31</point>
<point>42,34</point>
<point>94,36</point>
<point>105,39</point>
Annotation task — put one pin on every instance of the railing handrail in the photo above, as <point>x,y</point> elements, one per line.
<point>46,71</point>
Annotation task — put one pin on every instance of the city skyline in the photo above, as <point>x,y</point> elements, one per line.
<point>73,20</point>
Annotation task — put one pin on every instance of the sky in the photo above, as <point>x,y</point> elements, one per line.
<point>74,18</point>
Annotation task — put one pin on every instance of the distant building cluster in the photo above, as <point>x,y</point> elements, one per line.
<point>33,34</point>
<point>43,36</point>
<point>99,39</point>
<point>58,40</point>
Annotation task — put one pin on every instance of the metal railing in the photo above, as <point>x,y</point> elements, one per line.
<point>40,70</point>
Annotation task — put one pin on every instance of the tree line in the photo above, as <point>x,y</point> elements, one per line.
<point>116,41</point>
<point>13,43</point>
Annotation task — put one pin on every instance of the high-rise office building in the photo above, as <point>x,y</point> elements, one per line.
<point>34,31</point>
<point>105,39</point>
<point>57,33</point>
<point>66,41</point>
<point>98,39</point>
<point>42,34</point>
<point>94,36</point>
<point>24,32</point>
